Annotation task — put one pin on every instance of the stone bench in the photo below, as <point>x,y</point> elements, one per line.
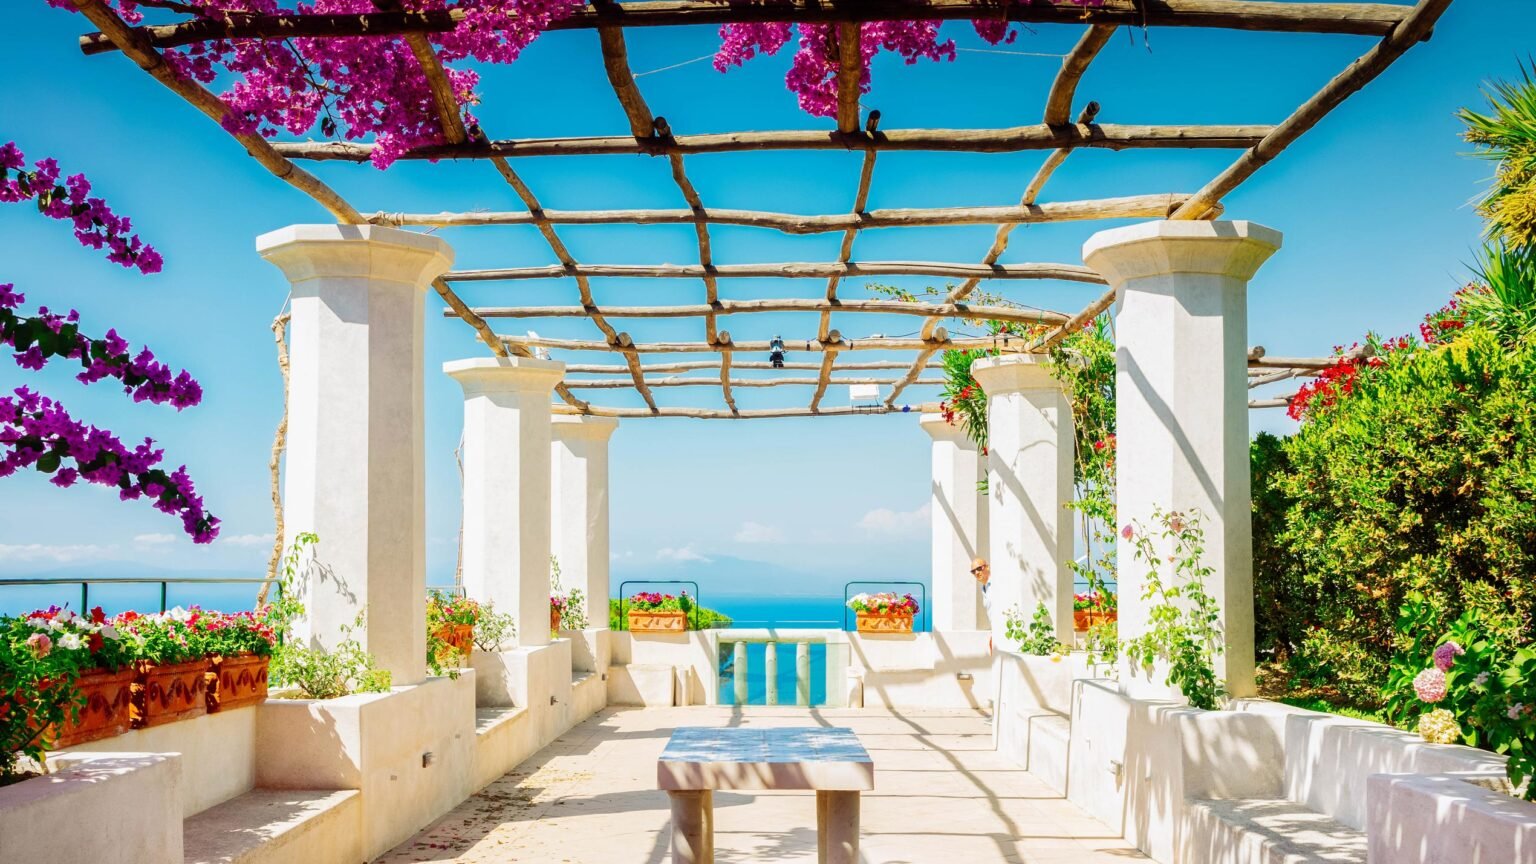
<point>1267,831</point>
<point>277,825</point>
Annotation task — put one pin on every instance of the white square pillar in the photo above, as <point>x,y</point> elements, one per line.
<point>355,464</point>
<point>580,511</point>
<point>1181,402</point>
<point>1029,484</point>
<point>959,526</point>
<point>506,486</point>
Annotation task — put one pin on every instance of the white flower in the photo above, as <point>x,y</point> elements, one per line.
<point>178,614</point>
<point>65,616</point>
<point>109,632</point>
<point>71,642</point>
<point>37,623</point>
<point>1515,710</point>
<point>56,625</point>
<point>1481,679</point>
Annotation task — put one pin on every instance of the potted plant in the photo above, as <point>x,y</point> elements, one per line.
<point>240,655</point>
<point>883,613</point>
<point>1092,609</point>
<point>172,665</point>
<point>450,631</point>
<point>650,612</point>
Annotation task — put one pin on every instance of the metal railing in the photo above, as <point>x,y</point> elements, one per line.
<point>165,584</point>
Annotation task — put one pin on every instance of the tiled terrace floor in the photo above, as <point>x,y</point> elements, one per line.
<point>942,796</point>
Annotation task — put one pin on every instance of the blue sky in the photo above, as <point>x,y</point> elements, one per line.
<point>1373,204</point>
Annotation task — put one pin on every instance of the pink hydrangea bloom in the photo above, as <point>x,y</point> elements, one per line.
<point>1430,685</point>
<point>1446,654</point>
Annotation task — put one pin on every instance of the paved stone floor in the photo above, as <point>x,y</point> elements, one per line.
<point>942,796</point>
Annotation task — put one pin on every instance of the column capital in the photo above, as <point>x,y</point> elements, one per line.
<point>589,427</point>
<point>1232,249</point>
<point>1014,373</point>
<point>942,430</point>
<point>308,252</point>
<point>481,375</point>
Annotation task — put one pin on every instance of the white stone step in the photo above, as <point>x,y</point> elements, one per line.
<point>279,826</point>
<point>1266,831</point>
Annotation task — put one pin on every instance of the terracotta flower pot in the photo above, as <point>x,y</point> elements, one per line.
<point>658,621</point>
<point>554,620</point>
<point>460,636</point>
<point>875,622</point>
<point>236,682</point>
<point>108,697</point>
<point>165,694</point>
<point>1083,619</point>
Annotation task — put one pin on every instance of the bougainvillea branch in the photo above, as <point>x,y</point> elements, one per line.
<point>36,432</point>
<point>96,226</point>
<point>38,339</point>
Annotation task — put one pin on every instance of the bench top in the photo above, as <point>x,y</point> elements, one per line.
<point>797,757</point>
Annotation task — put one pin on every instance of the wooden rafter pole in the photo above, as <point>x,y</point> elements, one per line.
<point>700,230</point>
<point>1006,140</point>
<point>844,253</point>
<point>711,365</point>
<point>850,68</point>
<point>750,414</point>
<point>940,340</point>
<point>747,307</point>
<point>1123,207</point>
<point>1058,108</point>
<point>1414,27</point>
<point>1363,19</point>
<point>138,49</point>
<point>624,383</point>
<point>724,341</point>
<point>787,270</point>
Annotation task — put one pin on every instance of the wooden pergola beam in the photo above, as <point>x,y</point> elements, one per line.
<point>624,383</point>
<point>711,365</point>
<point>940,341</point>
<point>844,253</point>
<point>1149,206</point>
<point>1364,19</point>
<point>788,270</point>
<point>1005,140</point>
<point>749,413</point>
<point>747,307</point>
<point>1058,103</point>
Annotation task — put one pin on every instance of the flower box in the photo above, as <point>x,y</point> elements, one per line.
<point>874,622</point>
<point>554,620</point>
<point>1083,619</point>
<point>165,694</point>
<point>658,621</point>
<point>236,682</point>
<point>108,696</point>
<point>460,636</point>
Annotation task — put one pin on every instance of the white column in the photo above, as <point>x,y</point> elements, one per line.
<point>959,526</point>
<point>1181,394</point>
<point>1029,484</point>
<point>506,485</point>
<point>355,463</point>
<point>580,508</point>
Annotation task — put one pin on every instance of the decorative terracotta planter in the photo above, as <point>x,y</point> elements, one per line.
<point>108,697</point>
<point>658,621</point>
<point>1083,619</point>
<point>236,682</point>
<point>165,694</point>
<point>873,622</point>
<point>554,620</point>
<point>460,636</point>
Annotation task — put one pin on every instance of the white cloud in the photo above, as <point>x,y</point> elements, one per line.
<point>756,532</point>
<point>62,554</point>
<point>895,523</point>
<point>154,539</point>
<point>681,554</point>
<point>246,540</point>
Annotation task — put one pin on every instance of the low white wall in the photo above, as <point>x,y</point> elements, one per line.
<point>1416,819</point>
<point>504,737</point>
<point>106,808</point>
<point>691,656</point>
<point>591,650</point>
<point>218,754</point>
<point>923,670</point>
<point>377,743</point>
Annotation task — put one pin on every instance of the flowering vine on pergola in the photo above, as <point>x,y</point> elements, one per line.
<point>384,61</point>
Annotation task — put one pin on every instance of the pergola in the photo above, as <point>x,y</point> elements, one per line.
<point>1396,28</point>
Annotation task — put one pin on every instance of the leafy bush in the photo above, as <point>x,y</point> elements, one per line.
<point>493,630</point>
<point>316,672</point>
<point>1039,638</point>
<point>702,617</point>
<point>1182,620</point>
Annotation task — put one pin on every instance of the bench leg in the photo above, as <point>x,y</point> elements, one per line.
<point>837,829</point>
<point>693,822</point>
